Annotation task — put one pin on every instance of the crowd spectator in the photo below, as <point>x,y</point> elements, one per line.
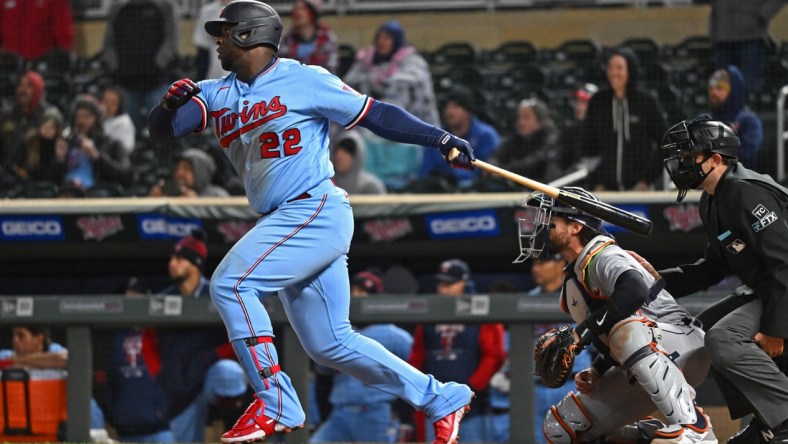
<point>163,381</point>
<point>533,151</point>
<point>32,29</point>
<point>727,100</point>
<point>40,156</point>
<point>192,176</point>
<point>208,65</point>
<point>393,71</point>
<point>23,116</point>
<point>738,30</point>
<point>309,40</point>
<point>623,127</point>
<point>32,348</point>
<point>459,117</point>
<point>466,353</point>
<point>140,47</point>
<point>117,123</point>
<point>572,131</point>
<point>93,156</point>
<point>349,158</point>
<point>360,413</point>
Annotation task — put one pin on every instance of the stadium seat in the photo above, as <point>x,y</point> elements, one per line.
<point>457,54</point>
<point>519,52</point>
<point>646,48</point>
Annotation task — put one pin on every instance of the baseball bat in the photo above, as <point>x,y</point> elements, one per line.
<point>602,210</point>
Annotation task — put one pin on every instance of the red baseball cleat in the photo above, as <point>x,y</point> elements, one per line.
<point>253,425</point>
<point>447,429</point>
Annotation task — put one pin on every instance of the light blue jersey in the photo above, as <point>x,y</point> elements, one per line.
<point>275,132</point>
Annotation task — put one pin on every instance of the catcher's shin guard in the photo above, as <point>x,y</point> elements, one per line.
<point>633,343</point>
<point>565,421</point>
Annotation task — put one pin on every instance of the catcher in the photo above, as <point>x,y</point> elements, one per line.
<point>650,349</point>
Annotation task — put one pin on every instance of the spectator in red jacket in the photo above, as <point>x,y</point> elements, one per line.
<point>34,28</point>
<point>466,353</point>
<point>309,40</point>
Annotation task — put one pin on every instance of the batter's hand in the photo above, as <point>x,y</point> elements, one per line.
<point>586,380</point>
<point>179,93</point>
<point>772,345</point>
<point>462,158</point>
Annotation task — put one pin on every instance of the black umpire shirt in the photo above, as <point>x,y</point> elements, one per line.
<point>747,226</point>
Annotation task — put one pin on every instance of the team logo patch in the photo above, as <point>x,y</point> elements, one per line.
<point>736,246</point>
<point>765,217</point>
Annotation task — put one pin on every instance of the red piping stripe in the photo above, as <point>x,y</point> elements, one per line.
<point>259,260</point>
<point>360,117</point>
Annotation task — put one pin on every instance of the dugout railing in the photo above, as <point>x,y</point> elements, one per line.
<point>81,316</point>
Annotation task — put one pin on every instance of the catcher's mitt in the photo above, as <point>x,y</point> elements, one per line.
<point>554,356</point>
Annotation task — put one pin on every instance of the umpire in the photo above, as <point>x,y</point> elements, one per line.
<point>745,218</point>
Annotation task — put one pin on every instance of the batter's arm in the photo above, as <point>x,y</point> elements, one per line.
<point>164,124</point>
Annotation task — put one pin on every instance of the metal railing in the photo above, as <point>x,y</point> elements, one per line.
<point>80,315</point>
<point>98,9</point>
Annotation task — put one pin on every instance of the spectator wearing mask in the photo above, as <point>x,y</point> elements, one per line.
<point>192,176</point>
<point>360,413</point>
<point>349,157</point>
<point>459,118</point>
<point>309,40</point>
<point>623,127</point>
<point>727,100</point>
<point>572,132</point>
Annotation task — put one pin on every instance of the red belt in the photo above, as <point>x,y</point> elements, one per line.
<point>299,197</point>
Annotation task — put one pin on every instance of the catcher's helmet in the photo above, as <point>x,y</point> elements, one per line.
<point>255,23</point>
<point>534,226</point>
<point>685,140</point>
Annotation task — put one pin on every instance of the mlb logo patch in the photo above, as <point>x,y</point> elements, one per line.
<point>736,246</point>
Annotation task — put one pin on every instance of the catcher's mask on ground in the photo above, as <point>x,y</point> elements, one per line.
<point>534,225</point>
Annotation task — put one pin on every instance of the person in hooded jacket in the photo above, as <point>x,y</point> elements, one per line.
<point>727,100</point>
<point>23,116</point>
<point>348,158</point>
<point>623,127</point>
<point>309,40</point>
<point>391,70</point>
<point>192,176</point>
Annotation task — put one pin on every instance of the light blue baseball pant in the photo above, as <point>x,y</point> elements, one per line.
<point>300,252</point>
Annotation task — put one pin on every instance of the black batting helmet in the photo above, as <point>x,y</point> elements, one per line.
<point>686,140</point>
<point>254,23</point>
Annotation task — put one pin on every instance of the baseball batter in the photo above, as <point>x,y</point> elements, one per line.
<point>640,331</point>
<point>272,116</point>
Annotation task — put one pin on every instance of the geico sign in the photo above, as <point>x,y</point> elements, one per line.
<point>31,228</point>
<point>170,228</point>
<point>463,225</point>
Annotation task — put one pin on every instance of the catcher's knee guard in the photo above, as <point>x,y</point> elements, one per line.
<point>565,420</point>
<point>633,343</point>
